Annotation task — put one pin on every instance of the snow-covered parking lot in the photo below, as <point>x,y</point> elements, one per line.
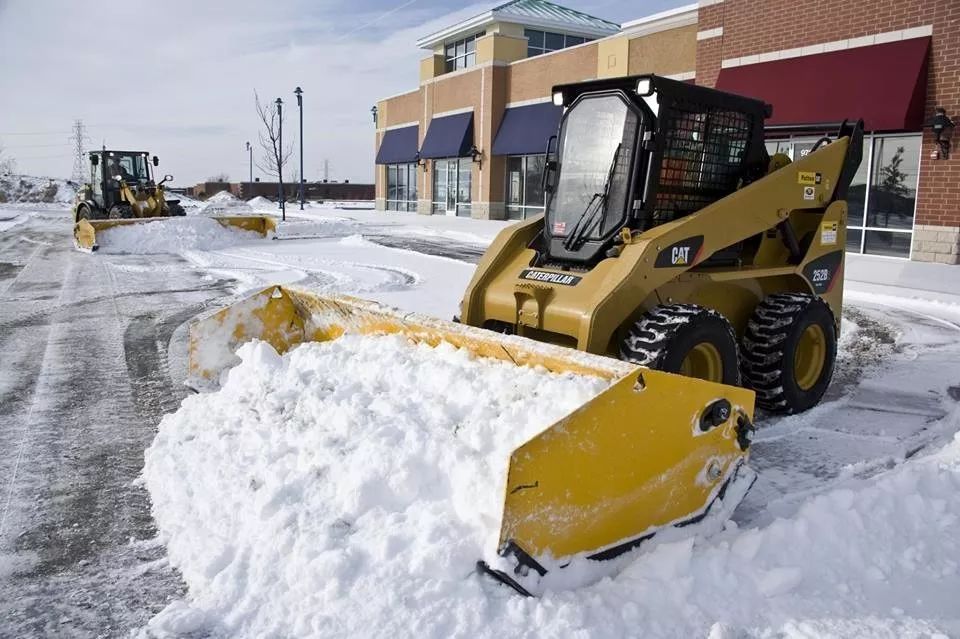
<point>275,512</point>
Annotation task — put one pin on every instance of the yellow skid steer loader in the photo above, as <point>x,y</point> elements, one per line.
<point>676,259</point>
<point>122,191</point>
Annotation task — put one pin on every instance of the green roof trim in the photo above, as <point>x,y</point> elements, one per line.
<point>551,11</point>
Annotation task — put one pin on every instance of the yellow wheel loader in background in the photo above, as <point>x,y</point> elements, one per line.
<point>122,191</point>
<point>670,241</point>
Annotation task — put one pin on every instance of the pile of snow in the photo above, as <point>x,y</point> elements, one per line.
<point>188,203</point>
<point>29,189</point>
<point>172,235</point>
<point>346,489</point>
<point>225,203</point>
<point>261,203</point>
<point>345,486</point>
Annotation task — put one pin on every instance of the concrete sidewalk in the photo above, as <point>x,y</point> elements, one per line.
<point>903,278</point>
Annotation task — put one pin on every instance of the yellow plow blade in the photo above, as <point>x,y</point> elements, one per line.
<point>652,450</point>
<point>85,231</point>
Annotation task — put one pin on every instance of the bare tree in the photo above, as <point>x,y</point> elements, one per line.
<point>272,158</point>
<point>219,177</point>
<point>7,163</point>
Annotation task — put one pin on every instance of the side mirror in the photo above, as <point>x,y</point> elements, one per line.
<point>156,161</point>
<point>166,178</point>
<point>95,160</point>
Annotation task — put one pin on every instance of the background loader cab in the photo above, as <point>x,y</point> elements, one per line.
<point>672,240</point>
<point>122,186</point>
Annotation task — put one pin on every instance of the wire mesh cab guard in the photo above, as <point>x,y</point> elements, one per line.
<point>707,145</point>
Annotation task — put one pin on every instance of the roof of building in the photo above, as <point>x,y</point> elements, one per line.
<point>531,13</point>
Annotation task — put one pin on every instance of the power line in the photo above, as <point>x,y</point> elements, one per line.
<point>79,141</point>
<point>37,146</point>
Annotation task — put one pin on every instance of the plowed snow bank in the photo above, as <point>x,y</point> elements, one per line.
<point>346,489</point>
<point>172,236</point>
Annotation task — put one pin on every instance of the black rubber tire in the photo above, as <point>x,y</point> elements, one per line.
<point>769,349</point>
<point>83,213</point>
<point>665,335</point>
<point>176,210</point>
<point>120,212</point>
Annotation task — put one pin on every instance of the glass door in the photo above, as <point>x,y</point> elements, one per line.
<point>451,187</point>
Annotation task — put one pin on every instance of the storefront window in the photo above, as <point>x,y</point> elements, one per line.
<point>402,187</point>
<point>451,186</point>
<point>882,198</point>
<point>524,196</point>
<point>893,185</point>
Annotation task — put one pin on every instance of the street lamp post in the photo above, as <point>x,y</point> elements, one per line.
<point>250,152</point>
<point>283,204</point>
<point>299,93</point>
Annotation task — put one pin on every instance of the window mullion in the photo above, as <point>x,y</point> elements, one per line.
<point>866,196</point>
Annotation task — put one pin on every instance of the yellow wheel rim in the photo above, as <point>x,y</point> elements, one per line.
<point>810,357</point>
<point>703,362</point>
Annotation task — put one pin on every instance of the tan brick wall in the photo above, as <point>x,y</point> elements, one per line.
<point>534,77</point>
<point>936,244</point>
<point>454,91</point>
<point>399,110</point>
<point>666,53</point>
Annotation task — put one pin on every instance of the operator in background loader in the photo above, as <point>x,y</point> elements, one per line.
<point>115,169</point>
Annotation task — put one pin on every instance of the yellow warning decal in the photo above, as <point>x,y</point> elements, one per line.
<point>828,233</point>
<point>808,178</point>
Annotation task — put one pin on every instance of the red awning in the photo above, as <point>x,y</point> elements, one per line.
<point>885,84</point>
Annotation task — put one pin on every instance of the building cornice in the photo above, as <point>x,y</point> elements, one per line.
<point>663,21</point>
<point>826,47</point>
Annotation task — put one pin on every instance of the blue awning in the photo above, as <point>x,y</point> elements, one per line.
<point>399,145</point>
<point>449,137</point>
<point>526,129</point>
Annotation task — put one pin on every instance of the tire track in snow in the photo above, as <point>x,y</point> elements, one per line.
<point>77,554</point>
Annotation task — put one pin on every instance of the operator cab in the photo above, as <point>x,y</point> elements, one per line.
<point>636,152</point>
<point>108,168</point>
<point>133,167</point>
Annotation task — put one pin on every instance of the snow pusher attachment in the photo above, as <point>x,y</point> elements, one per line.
<point>85,231</point>
<point>653,450</point>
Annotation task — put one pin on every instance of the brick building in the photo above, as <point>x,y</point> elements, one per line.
<point>313,191</point>
<point>470,139</point>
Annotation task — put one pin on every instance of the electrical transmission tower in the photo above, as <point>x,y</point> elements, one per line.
<point>79,140</point>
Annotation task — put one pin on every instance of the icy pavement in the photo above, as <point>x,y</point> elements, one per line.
<point>83,383</point>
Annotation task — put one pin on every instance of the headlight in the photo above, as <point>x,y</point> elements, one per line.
<point>558,98</point>
<point>644,86</point>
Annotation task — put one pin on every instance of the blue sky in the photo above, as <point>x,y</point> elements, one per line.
<point>181,82</point>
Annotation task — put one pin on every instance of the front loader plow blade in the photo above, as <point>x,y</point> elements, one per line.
<point>653,450</point>
<point>85,231</point>
<point>632,460</point>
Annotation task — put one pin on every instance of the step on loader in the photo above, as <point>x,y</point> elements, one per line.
<point>122,191</point>
<point>676,259</point>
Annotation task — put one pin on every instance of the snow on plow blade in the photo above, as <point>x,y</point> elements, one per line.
<point>85,231</point>
<point>651,451</point>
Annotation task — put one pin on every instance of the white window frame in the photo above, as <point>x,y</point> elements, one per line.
<point>543,50</point>
<point>406,203</point>
<point>868,143</point>
<point>526,210</point>
<point>440,207</point>
<point>450,61</point>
